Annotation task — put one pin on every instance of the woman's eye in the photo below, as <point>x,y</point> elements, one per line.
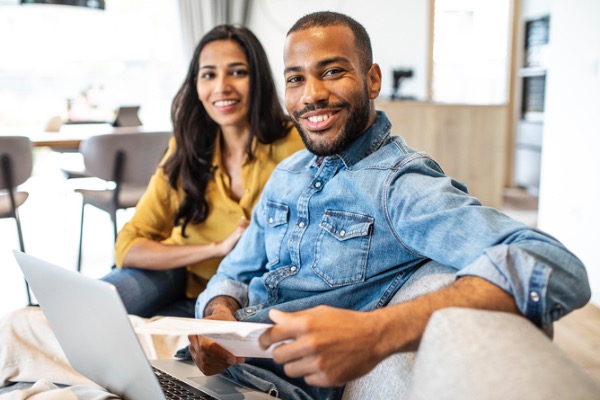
<point>206,75</point>
<point>241,72</point>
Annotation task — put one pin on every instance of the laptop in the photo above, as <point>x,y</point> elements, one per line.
<point>93,329</point>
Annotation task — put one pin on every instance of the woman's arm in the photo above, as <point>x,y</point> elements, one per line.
<point>151,254</point>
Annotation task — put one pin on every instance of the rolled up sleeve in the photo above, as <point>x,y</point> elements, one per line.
<point>544,287</point>
<point>437,219</point>
<point>221,287</point>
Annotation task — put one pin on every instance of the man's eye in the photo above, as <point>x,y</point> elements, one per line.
<point>294,79</point>
<point>333,71</point>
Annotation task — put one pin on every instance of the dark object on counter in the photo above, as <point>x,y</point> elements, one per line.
<point>398,76</point>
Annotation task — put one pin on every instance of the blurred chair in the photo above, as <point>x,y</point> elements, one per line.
<point>128,160</point>
<point>16,165</point>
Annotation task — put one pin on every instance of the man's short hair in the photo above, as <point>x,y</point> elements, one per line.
<point>329,18</point>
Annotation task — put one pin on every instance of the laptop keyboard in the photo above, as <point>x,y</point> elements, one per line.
<point>175,389</point>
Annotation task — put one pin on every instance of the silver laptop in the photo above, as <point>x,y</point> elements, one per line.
<point>92,327</point>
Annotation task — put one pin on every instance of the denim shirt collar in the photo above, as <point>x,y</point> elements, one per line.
<point>367,143</point>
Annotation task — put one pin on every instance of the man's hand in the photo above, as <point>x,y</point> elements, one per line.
<point>331,346</point>
<point>211,358</point>
<point>327,346</point>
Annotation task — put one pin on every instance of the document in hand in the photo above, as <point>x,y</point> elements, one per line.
<point>239,338</point>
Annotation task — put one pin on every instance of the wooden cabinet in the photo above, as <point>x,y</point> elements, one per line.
<point>468,141</point>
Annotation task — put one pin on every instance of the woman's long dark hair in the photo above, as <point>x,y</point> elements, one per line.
<point>195,132</point>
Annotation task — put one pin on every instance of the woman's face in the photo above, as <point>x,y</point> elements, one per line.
<point>223,83</point>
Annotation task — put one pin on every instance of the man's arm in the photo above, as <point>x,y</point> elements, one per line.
<point>227,292</point>
<point>437,220</point>
<point>332,346</point>
<point>221,308</point>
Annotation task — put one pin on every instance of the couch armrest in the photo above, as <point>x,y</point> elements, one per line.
<point>472,354</point>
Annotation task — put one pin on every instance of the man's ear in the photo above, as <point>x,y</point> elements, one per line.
<point>374,81</point>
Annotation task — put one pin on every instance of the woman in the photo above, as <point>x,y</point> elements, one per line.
<point>229,134</point>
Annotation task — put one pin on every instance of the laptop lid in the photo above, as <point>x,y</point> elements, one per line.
<point>92,327</point>
<point>94,331</point>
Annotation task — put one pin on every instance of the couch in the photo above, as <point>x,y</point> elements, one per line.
<point>471,354</point>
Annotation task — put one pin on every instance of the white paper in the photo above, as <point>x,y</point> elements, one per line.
<point>239,338</point>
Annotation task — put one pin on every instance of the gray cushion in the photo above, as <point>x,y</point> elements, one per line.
<point>472,354</point>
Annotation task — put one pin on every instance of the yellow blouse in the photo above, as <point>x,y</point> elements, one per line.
<point>153,217</point>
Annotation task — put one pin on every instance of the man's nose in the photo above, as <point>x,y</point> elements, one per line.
<point>315,91</point>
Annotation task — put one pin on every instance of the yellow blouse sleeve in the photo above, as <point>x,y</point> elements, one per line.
<point>154,213</point>
<point>288,146</point>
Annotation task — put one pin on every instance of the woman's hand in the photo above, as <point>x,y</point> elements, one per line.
<point>224,247</point>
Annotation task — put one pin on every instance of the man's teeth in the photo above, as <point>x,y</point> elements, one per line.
<point>225,103</point>
<point>318,118</point>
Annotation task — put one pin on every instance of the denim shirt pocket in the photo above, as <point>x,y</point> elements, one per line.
<point>342,247</point>
<point>277,216</point>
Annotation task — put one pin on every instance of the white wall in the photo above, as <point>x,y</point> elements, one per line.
<point>398,31</point>
<point>570,178</point>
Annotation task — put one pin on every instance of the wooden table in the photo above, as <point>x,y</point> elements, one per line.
<point>70,136</point>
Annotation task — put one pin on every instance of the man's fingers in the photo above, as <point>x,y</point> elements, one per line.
<point>300,367</point>
<point>211,352</point>
<point>320,379</point>
<point>214,350</point>
<point>308,368</point>
<point>287,326</point>
<point>291,351</point>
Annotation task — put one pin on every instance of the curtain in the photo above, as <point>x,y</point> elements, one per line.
<point>199,16</point>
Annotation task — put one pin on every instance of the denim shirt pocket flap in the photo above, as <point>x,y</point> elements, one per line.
<point>344,225</point>
<point>276,213</point>
<point>342,248</point>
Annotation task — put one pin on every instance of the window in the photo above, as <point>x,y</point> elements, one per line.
<point>471,47</point>
<point>82,64</point>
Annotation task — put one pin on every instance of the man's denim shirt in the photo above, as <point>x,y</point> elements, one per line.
<point>348,230</point>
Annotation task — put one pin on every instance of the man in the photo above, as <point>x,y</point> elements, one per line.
<point>340,229</point>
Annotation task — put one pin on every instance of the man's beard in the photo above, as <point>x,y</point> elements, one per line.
<point>353,128</point>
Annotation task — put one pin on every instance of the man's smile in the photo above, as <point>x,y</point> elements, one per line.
<point>318,120</point>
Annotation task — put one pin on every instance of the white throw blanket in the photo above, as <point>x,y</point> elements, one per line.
<point>44,390</point>
<point>29,352</point>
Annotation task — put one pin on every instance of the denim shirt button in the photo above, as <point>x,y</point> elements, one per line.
<point>556,312</point>
<point>301,224</point>
<point>317,184</point>
<point>270,220</point>
<point>271,286</point>
<point>250,310</point>
<point>342,233</point>
<point>534,296</point>
<point>293,268</point>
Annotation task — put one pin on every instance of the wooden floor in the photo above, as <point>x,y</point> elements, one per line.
<point>577,334</point>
